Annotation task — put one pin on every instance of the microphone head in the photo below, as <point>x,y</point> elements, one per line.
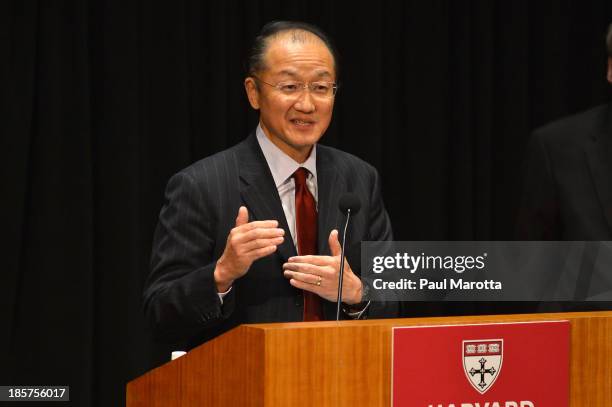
<point>349,201</point>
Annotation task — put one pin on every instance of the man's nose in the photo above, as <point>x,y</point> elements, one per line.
<point>304,102</point>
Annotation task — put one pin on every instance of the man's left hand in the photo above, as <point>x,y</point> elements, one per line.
<point>319,274</point>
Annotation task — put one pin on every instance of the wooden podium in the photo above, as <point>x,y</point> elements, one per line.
<point>344,363</point>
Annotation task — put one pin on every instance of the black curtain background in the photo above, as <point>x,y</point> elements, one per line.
<point>102,101</point>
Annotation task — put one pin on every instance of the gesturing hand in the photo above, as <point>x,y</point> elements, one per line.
<point>319,274</point>
<point>246,242</point>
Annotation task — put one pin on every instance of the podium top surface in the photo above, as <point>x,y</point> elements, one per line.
<point>472,319</point>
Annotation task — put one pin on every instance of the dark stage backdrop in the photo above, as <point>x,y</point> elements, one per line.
<point>102,101</point>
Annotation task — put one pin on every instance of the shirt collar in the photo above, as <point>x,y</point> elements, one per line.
<point>281,165</point>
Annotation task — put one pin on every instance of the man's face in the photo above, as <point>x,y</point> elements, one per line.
<point>610,70</point>
<point>294,123</point>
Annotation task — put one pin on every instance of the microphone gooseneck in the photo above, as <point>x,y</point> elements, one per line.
<point>349,204</point>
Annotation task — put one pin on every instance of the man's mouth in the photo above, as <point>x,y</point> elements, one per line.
<point>304,123</point>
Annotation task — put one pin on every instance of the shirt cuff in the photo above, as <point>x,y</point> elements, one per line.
<point>356,313</point>
<point>221,295</point>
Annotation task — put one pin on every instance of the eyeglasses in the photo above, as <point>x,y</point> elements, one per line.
<point>321,90</point>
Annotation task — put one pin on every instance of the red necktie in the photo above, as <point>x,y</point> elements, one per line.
<point>306,225</point>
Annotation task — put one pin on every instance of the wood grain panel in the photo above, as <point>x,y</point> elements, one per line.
<point>591,362</point>
<point>344,363</point>
<point>329,366</point>
<point>226,371</point>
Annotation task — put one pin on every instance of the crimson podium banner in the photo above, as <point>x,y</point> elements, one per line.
<point>491,365</point>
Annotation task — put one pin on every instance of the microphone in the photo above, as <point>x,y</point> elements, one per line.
<point>349,205</point>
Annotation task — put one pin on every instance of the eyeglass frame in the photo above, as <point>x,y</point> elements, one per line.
<point>304,86</point>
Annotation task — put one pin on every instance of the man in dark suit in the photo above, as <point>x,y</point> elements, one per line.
<point>250,234</point>
<point>568,192</point>
<point>568,183</point>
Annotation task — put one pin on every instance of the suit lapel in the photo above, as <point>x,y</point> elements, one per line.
<point>330,188</point>
<point>259,192</point>
<point>599,157</point>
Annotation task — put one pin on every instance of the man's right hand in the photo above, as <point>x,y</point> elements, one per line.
<point>246,243</point>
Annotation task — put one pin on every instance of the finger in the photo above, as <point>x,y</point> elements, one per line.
<point>241,238</point>
<point>334,243</point>
<point>262,233</point>
<point>315,260</point>
<point>305,286</point>
<point>261,252</point>
<point>307,268</point>
<point>259,224</point>
<point>313,279</point>
<point>243,216</point>
<point>259,243</point>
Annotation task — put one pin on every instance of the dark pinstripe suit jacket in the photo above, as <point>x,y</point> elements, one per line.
<point>568,183</point>
<point>180,297</point>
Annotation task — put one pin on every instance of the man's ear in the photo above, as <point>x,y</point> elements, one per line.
<point>252,92</point>
<point>610,70</point>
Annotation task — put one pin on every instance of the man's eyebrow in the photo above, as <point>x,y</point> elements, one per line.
<point>287,72</point>
<point>293,74</point>
<point>322,74</point>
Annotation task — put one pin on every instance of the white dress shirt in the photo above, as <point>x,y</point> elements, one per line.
<point>282,168</point>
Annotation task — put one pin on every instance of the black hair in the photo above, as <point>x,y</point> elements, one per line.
<point>255,60</point>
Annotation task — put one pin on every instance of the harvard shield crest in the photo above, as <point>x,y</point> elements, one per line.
<point>482,362</point>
